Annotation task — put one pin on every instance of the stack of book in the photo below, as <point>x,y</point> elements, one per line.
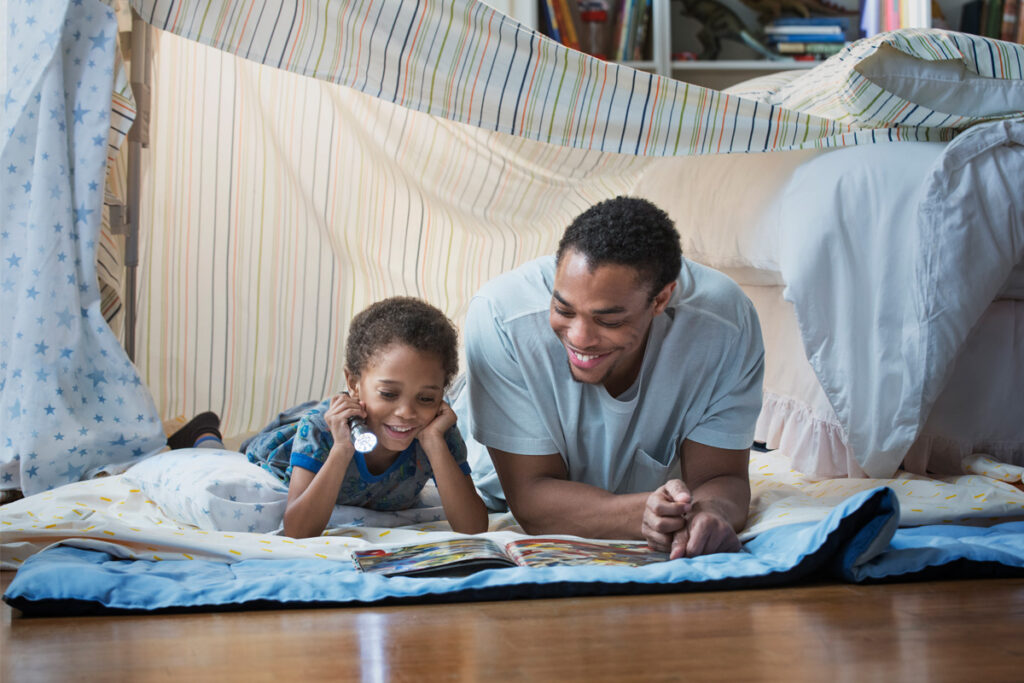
<point>807,37</point>
<point>609,29</point>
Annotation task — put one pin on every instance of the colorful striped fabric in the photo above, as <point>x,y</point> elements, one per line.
<point>278,206</point>
<point>436,146</point>
<point>839,90</point>
<point>464,61</point>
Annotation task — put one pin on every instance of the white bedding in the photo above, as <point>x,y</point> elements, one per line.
<point>889,254</point>
<point>115,515</point>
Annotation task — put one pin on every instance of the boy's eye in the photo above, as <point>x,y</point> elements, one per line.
<point>428,399</point>
<point>388,395</point>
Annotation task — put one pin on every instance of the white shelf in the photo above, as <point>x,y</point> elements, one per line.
<point>742,65</point>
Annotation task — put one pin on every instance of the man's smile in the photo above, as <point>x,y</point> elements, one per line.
<point>585,361</point>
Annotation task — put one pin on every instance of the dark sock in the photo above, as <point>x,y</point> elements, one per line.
<point>203,424</point>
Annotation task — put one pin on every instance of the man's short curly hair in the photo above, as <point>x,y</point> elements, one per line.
<point>402,320</point>
<point>627,231</point>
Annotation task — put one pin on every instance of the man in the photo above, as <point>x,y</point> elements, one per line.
<point>615,388</point>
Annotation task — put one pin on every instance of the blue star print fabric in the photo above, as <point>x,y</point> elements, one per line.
<point>70,399</point>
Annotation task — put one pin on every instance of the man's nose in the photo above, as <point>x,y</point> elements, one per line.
<point>581,333</point>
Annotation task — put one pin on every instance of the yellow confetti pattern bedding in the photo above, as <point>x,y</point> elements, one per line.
<point>110,515</point>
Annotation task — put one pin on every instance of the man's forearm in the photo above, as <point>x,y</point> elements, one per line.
<point>558,506</point>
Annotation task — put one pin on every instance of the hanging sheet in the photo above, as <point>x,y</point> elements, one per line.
<point>317,157</point>
<point>435,146</point>
<point>70,400</point>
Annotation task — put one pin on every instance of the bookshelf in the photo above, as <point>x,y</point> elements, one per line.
<point>672,31</point>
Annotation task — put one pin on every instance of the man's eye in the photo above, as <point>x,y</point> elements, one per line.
<point>604,323</point>
<point>563,312</point>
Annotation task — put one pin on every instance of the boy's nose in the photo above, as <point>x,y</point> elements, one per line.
<point>405,409</point>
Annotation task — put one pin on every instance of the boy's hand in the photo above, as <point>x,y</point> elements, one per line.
<point>441,423</point>
<point>341,409</point>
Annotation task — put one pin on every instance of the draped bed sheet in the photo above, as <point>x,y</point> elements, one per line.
<point>889,257</point>
<point>141,542</point>
<point>307,159</point>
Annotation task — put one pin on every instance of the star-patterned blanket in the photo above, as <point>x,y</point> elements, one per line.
<point>70,400</point>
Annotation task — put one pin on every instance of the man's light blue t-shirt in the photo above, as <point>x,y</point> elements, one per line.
<point>700,380</point>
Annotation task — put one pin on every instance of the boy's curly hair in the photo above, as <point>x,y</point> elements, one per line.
<point>627,231</point>
<point>402,320</point>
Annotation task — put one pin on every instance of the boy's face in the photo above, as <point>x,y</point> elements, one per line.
<point>602,317</point>
<point>402,389</point>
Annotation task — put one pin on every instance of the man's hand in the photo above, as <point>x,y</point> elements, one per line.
<point>665,515</point>
<point>705,531</point>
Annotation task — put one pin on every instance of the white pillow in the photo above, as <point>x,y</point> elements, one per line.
<point>212,489</point>
<point>946,86</point>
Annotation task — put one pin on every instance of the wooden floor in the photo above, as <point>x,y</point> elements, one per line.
<point>933,631</point>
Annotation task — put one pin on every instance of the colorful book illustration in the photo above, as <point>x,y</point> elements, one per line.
<point>460,556</point>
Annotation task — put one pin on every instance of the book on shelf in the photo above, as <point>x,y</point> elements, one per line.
<point>776,29</point>
<point>805,38</point>
<point>615,29</point>
<point>1012,15</point>
<point>811,21</point>
<point>818,49</point>
<point>461,556</point>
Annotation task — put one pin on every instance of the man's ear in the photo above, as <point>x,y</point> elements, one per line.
<point>662,297</point>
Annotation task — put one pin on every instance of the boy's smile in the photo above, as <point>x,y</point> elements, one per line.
<point>402,389</point>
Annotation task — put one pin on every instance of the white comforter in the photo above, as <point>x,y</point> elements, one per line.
<point>885,303</point>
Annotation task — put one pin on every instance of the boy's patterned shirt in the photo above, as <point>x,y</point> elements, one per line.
<point>307,443</point>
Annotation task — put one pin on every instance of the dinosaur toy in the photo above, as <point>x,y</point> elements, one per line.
<point>770,10</point>
<point>718,22</point>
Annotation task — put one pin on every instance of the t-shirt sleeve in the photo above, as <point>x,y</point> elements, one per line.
<point>503,413</point>
<point>457,447</point>
<point>731,415</point>
<point>312,442</point>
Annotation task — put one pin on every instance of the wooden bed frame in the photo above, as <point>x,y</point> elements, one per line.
<point>942,630</point>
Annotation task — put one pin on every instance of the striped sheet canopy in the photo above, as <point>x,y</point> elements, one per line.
<point>309,157</point>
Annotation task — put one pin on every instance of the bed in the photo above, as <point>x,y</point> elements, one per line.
<point>889,281</point>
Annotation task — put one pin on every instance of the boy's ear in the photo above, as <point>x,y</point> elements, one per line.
<point>352,384</point>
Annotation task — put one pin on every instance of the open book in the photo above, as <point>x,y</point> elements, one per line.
<point>461,556</point>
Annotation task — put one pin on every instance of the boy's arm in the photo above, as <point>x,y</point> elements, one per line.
<point>311,495</point>
<point>463,507</point>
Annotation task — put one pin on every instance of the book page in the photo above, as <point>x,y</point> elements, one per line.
<point>558,552</point>
<point>448,556</point>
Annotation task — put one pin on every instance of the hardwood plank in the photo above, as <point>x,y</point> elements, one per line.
<point>941,631</point>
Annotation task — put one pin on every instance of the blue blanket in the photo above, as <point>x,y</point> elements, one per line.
<point>858,542</point>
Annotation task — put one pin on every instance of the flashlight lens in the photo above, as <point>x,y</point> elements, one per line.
<point>365,442</point>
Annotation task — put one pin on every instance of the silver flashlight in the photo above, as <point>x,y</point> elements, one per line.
<point>363,439</point>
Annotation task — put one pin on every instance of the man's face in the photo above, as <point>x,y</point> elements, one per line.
<point>602,317</point>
